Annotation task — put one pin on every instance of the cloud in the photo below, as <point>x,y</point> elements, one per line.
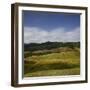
<point>38,35</point>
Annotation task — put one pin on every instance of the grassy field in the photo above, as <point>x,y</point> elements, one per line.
<point>55,62</point>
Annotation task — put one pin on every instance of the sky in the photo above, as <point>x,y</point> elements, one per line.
<point>41,27</point>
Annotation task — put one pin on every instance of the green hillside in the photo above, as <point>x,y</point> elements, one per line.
<point>53,62</point>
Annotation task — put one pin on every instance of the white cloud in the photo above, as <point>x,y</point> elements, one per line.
<point>38,35</point>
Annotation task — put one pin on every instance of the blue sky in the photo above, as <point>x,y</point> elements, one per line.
<point>50,25</point>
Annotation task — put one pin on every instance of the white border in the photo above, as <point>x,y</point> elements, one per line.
<point>33,80</point>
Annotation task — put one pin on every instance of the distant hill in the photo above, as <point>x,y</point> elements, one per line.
<point>49,45</point>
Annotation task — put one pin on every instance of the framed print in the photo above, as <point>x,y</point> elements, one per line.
<point>49,44</point>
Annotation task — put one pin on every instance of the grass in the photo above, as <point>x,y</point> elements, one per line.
<point>53,64</point>
<point>74,71</point>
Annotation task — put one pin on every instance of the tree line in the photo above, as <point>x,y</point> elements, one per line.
<point>49,45</point>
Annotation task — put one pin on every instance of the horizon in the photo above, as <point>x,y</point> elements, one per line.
<point>52,42</point>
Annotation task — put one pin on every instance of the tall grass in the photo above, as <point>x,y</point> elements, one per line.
<point>60,62</point>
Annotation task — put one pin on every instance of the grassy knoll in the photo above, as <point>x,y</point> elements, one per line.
<point>55,62</point>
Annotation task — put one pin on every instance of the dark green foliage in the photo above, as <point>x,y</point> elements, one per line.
<point>49,45</point>
<point>27,54</point>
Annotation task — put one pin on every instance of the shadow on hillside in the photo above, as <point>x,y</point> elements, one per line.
<point>32,67</point>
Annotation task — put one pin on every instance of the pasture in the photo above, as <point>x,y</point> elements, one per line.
<point>55,62</point>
